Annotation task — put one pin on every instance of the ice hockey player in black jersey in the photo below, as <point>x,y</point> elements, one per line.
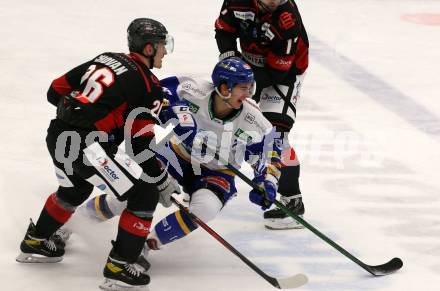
<point>274,42</point>
<point>114,97</point>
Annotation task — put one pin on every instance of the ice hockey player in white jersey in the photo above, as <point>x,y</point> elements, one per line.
<point>220,116</point>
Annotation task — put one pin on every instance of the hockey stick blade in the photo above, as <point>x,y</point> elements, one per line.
<point>379,270</point>
<point>282,283</point>
<point>290,282</point>
<point>384,269</point>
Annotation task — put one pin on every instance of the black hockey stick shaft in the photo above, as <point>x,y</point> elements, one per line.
<point>298,279</point>
<point>379,270</point>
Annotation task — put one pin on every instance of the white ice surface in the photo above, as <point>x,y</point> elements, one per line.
<point>367,133</point>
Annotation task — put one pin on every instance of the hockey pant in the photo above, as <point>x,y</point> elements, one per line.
<point>278,104</point>
<point>79,168</point>
<point>209,192</point>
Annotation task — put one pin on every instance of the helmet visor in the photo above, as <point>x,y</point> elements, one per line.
<point>253,88</point>
<point>169,43</point>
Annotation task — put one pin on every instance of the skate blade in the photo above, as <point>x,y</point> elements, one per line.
<point>35,258</point>
<point>281,224</point>
<point>115,285</point>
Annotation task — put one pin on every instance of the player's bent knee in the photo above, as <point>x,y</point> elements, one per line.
<point>205,204</point>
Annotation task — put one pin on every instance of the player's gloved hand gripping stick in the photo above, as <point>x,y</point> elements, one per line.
<point>378,270</point>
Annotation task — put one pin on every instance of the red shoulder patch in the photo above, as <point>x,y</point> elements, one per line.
<point>286,20</point>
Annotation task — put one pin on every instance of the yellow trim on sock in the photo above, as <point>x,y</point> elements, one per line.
<point>98,209</point>
<point>181,222</point>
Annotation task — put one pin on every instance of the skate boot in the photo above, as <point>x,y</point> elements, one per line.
<point>277,219</point>
<point>39,250</point>
<point>120,275</point>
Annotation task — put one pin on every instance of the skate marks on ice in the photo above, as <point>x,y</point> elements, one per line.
<point>377,89</point>
<point>281,252</point>
<point>406,208</point>
<point>380,188</point>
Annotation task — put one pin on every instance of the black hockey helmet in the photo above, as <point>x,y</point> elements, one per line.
<point>142,31</point>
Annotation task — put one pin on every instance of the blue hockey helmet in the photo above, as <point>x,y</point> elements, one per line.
<point>232,71</point>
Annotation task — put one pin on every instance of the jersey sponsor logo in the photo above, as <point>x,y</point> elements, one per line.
<point>186,119</point>
<point>241,134</point>
<point>286,20</point>
<point>271,98</point>
<point>139,225</point>
<point>253,59</point>
<point>166,225</point>
<point>102,187</point>
<point>249,118</point>
<point>193,107</point>
<point>283,63</point>
<point>244,15</point>
<point>189,87</point>
<point>99,159</point>
<point>111,173</point>
<point>267,32</point>
<point>102,161</point>
<point>128,163</point>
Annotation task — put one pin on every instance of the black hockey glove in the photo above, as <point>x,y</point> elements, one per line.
<point>255,32</point>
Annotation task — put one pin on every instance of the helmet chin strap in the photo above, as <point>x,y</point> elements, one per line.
<point>151,58</point>
<point>224,98</point>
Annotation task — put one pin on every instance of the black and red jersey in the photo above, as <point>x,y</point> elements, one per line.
<point>274,44</point>
<point>100,94</point>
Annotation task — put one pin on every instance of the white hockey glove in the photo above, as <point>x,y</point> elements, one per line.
<point>166,189</point>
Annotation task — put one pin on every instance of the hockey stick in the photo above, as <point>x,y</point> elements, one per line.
<point>378,270</point>
<point>282,283</point>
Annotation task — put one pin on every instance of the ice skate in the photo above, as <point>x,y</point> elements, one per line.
<point>121,275</point>
<point>39,250</point>
<point>276,219</point>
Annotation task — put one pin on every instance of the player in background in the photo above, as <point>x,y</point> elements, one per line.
<point>226,120</point>
<point>274,42</point>
<point>114,97</point>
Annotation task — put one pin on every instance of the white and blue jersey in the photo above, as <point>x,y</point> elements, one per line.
<point>243,135</point>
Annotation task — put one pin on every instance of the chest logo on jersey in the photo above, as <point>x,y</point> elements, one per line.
<point>245,15</point>
<point>249,118</point>
<point>241,134</point>
<point>193,107</point>
<point>286,20</point>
